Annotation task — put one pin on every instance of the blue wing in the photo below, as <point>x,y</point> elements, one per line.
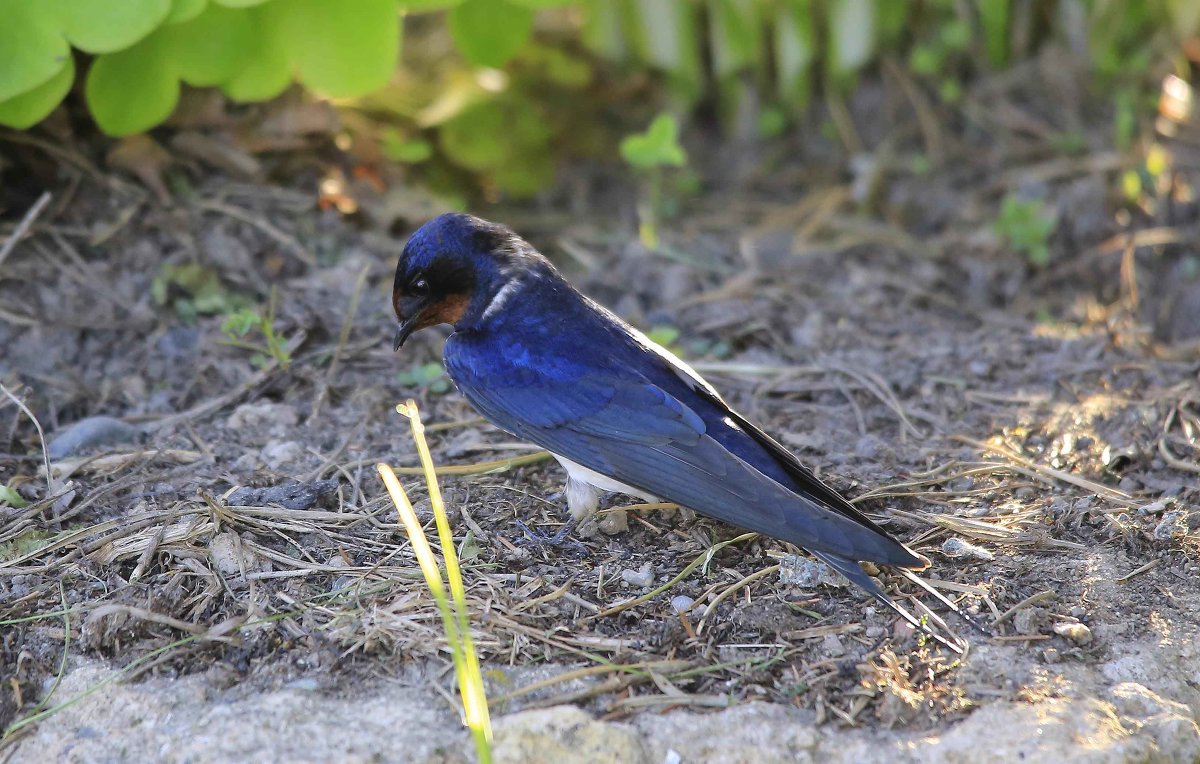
<point>613,419</point>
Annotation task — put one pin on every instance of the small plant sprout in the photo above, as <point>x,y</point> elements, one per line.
<point>452,604</point>
<point>1025,225</point>
<point>650,153</point>
<point>239,324</point>
<point>426,376</point>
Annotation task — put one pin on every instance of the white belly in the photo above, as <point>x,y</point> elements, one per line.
<point>577,472</point>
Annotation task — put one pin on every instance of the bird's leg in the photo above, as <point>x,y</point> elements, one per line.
<point>582,500</point>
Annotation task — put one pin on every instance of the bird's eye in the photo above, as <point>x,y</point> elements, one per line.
<point>419,286</point>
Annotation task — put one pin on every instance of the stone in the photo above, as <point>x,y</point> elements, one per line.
<point>88,434</point>
<point>564,735</point>
<point>1077,633</point>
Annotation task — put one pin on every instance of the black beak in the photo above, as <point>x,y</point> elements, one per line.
<point>403,330</point>
<point>414,308</point>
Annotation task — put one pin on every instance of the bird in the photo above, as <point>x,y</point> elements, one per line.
<point>620,413</point>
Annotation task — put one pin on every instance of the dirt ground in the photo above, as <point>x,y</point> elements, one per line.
<point>1033,430</point>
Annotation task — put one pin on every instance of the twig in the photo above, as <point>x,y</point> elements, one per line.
<point>712,606</point>
<point>41,435</point>
<point>480,468</point>
<point>23,226</point>
<point>1027,602</point>
<point>703,558</point>
<point>1042,472</point>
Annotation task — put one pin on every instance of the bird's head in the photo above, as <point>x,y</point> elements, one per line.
<point>452,268</point>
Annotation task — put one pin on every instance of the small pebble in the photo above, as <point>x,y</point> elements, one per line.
<point>681,603</point>
<point>280,453</point>
<point>612,523</point>
<point>956,547</point>
<point>1078,611</point>
<point>90,433</point>
<point>641,577</point>
<point>808,574</point>
<point>1074,632</point>
<point>274,417</point>
<point>1173,525</point>
<point>1050,655</point>
<point>1156,507</point>
<point>1030,620</point>
<point>832,646</point>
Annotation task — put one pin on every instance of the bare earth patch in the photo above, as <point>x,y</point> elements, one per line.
<point>227,580</point>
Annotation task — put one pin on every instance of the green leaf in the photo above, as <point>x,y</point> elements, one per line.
<point>239,323</point>
<point>994,19</point>
<point>667,38</point>
<point>10,497</point>
<point>185,10</point>
<point>211,48</point>
<point>525,175</point>
<point>239,3</point>
<point>32,50</point>
<point>475,138</point>
<point>424,6</point>
<point>490,32</point>
<point>795,48</point>
<point>734,32</point>
<point>663,335</point>
<point>341,49</point>
<point>267,72</point>
<point>407,150</point>
<point>132,90</point>
<point>657,147</point>
<point>29,108</point>
<point>104,26</point>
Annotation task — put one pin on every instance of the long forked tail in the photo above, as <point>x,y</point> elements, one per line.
<point>853,571</point>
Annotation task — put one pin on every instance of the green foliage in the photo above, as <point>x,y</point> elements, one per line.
<point>657,147</point>
<point>941,57</point>
<point>650,152</point>
<point>10,497</point>
<point>1026,225</point>
<point>698,347</point>
<point>405,150</point>
<point>240,324</point>
<point>490,32</point>
<point>507,130</point>
<point>26,543</point>
<point>428,376</point>
<point>193,290</point>
<point>251,49</point>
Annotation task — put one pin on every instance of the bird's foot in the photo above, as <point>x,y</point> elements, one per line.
<point>560,540</point>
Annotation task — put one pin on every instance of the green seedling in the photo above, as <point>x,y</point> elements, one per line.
<point>937,57</point>
<point>651,153</point>
<point>11,497</point>
<point>697,347</point>
<point>25,544</point>
<point>428,376</point>
<point>398,148</point>
<point>1026,225</point>
<point>193,290</point>
<point>240,325</point>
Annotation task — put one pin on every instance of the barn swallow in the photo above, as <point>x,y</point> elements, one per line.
<point>620,413</point>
